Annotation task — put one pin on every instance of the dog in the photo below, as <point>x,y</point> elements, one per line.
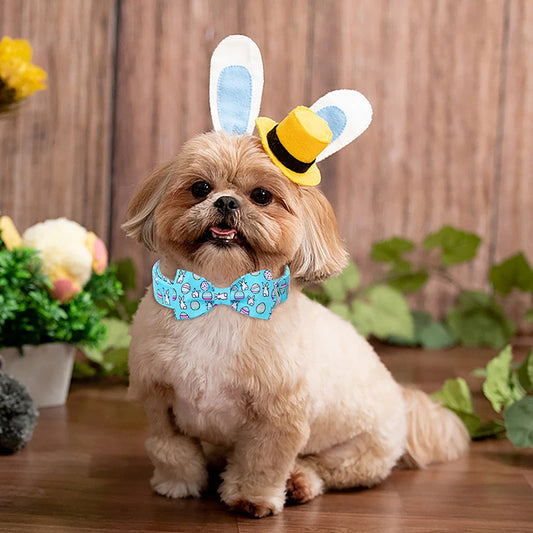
<point>292,406</point>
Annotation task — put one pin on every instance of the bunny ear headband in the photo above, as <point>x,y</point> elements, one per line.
<point>305,136</point>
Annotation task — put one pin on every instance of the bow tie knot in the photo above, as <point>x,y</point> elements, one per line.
<point>255,294</point>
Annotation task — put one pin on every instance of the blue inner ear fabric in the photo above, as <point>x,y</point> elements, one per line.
<point>336,119</point>
<point>234,98</point>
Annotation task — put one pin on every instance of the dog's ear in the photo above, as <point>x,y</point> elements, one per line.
<point>321,253</point>
<point>140,223</point>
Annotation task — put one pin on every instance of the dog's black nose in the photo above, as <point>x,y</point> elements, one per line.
<point>226,205</point>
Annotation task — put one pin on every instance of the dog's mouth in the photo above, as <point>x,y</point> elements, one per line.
<point>223,234</point>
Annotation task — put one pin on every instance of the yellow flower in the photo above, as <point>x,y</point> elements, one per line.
<point>18,77</point>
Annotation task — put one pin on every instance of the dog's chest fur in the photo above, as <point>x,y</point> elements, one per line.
<point>207,397</point>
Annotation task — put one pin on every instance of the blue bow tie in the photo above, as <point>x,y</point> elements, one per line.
<point>255,294</point>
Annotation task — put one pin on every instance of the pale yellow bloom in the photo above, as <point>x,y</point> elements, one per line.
<point>18,77</point>
<point>9,233</point>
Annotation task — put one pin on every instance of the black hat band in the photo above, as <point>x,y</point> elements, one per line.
<point>283,156</point>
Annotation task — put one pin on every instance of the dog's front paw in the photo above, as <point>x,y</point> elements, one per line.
<point>303,485</point>
<point>258,509</point>
<point>257,502</point>
<point>172,488</point>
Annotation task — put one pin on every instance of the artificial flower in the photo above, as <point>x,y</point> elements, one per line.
<point>18,77</point>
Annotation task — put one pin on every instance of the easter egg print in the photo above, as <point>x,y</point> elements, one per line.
<point>184,315</point>
<point>245,311</point>
<point>268,275</point>
<point>207,295</point>
<point>204,285</point>
<point>195,306</point>
<point>174,294</point>
<point>185,288</point>
<point>239,295</point>
<point>255,273</point>
<point>159,294</point>
<point>260,308</point>
<point>255,288</point>
<point>196,276</point>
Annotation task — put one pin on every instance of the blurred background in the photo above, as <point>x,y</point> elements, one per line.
<point>450,81</point>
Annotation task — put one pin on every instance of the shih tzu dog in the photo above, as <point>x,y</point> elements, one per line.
<point>232,363</point>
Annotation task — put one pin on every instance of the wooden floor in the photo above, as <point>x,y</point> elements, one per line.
<point>86,470</point>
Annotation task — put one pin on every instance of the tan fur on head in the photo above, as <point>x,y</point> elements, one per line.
<point>321,253</point>
<point>298,228</point>
<point>140,223</point>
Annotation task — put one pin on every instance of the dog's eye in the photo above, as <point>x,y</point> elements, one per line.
<point>261,196</point>
<point>200,189</point>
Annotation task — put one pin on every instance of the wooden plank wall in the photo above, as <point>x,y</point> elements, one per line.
<point>56,151</point>
<point>451,83</point>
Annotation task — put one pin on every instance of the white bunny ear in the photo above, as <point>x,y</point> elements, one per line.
<point>348,113</point>
<point>235,85</point>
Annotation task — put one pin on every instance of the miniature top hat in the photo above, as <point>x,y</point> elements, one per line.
<point>294,143</point>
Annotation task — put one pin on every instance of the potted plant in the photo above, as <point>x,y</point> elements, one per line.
<point>50,301</point>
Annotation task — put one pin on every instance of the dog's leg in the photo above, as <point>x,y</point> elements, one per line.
<point>179,463</point>
<point>363,461</point>
<point>255,478</point>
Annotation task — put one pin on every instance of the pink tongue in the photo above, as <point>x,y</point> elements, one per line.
<point>224,232</point>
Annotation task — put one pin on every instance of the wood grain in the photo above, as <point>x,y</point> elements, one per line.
<point>431,71</point>
<point>515,186</point>
<point>513,209</point>
<point>86,470</point>
<point>56,148</point>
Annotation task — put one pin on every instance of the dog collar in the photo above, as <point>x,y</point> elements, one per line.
<point>255,294</point>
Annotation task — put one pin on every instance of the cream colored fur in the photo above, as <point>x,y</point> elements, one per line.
<point>297,404</point>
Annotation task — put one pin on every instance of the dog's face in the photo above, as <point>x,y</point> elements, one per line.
<point>221,208</point>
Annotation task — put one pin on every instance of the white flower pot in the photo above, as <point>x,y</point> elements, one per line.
<point>44,369</point>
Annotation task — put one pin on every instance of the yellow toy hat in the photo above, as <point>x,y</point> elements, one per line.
<point>294,143</point>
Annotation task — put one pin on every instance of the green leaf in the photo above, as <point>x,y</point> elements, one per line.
<point>435,336</point>
<point>116,362</point>
<point>126,274</point>
<point>117,333</point>
<point>82,370</point>
<point>478,320</point>
<point>429,333</point>
<point>421,319</point>
<point>383,312</point>
<point>391,251</point>
<point>112,352</point>
<point>409,281</point>
<point>93,354</point>
<point>362,317</point>
<point>498,387</point>
<point>479,372</point>
<point>513,272</point>
<point>471,421</point>
<point>337,288</point>
<point>455,395</point>
<point>456,246</point>
<point>524,373</point>
<point>519,422</point>
<point>493,429</point>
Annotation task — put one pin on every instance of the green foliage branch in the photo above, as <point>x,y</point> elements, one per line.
<point>380,308</point>
<point>510,392</point>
